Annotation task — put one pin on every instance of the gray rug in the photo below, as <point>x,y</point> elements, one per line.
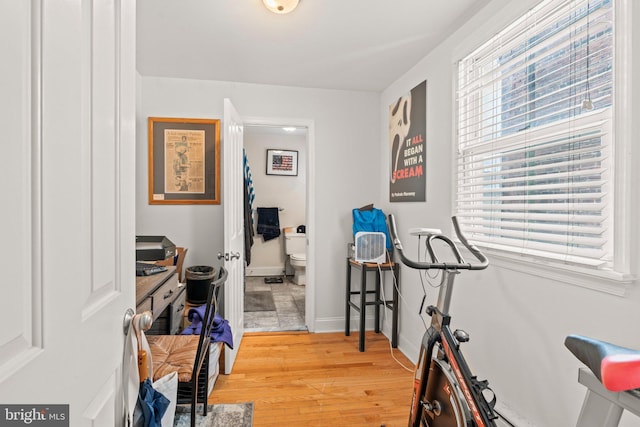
<point>222,415</point>
<point>259,301</point>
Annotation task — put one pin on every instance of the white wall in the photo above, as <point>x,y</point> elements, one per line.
<point>287,193</point>
<point>517,321</point>
<point>346,161</point>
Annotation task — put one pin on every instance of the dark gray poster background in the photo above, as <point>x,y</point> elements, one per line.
<point>407,140</point>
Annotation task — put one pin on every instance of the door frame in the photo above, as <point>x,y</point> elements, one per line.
<point>310,294</point>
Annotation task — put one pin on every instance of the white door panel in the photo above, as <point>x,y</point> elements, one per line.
<point>19,260</point>
<point>69,236</point>
<point>233,229</point>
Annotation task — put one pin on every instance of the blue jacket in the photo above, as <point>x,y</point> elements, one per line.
<point>373,220</point>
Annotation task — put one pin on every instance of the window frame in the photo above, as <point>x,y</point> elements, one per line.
<point>615,281</point>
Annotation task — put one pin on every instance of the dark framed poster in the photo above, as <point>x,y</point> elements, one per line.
<point>282,162</point>
<point>407,142</point>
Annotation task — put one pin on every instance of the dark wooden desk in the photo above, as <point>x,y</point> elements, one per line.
<point>164,297</point>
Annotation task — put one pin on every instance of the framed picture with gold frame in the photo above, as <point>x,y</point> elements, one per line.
<point>184,161</point>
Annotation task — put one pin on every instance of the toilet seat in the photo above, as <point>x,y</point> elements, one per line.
<point>298,257</point>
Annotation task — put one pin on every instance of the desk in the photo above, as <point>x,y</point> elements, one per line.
<point>376,302</point>
<point>164,297</point>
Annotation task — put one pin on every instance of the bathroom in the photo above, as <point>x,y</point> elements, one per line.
<point>275,289</point>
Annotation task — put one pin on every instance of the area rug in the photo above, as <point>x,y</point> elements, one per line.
<point>259,301</point>
<point>221,415</point>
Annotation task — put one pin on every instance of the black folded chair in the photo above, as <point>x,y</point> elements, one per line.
<point>189,354</point>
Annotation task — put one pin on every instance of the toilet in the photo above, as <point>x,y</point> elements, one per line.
<point>295,246</point>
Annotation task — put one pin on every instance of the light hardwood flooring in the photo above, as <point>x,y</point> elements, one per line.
<point>302,379</point>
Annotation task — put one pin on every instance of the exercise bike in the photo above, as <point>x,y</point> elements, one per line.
<point>445,392</point>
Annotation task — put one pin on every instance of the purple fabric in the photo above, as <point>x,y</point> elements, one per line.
<point>220,331</point>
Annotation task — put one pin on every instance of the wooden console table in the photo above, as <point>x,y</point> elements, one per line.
<point>164,297</point>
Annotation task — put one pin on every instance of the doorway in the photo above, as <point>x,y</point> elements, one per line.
<point>273,299</point>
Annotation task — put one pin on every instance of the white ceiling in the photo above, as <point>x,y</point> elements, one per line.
<point>333,44</point>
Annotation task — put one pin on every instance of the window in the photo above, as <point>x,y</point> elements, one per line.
<point>535,148</point>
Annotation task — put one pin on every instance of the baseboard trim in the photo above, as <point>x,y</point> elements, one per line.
<point>336,324</point>
<point>511,416</point>
<point>264,271</point>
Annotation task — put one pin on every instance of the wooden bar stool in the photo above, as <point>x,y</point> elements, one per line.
<point>361,305</point>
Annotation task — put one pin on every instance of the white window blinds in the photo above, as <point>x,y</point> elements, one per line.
<point>534,164</point>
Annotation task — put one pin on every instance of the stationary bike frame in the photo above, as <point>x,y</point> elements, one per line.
<point>442,340</point>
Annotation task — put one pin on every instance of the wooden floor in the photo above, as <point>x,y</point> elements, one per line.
<point>303,379</point>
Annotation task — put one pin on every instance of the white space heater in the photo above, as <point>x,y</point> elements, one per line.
<point>370,246</point>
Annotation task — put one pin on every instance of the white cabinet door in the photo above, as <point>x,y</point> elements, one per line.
<point>233,229</point>
<point>68,122</point>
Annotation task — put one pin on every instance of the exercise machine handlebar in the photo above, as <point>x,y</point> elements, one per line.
<point>459,264</point>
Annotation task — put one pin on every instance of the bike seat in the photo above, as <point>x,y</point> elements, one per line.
<point>617,368</point>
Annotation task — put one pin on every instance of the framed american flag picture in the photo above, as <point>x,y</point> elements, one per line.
<point>282,162</point>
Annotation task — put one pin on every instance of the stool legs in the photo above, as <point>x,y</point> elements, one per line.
<point>376,306</point>
<point>377,302</point>
<point>363,306</point>
<point>347,316</point>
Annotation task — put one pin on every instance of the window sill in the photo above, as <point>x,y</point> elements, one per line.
<point>609,282</point>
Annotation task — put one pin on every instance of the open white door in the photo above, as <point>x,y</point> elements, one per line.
<point>68,230</point>
<point>233,229</point>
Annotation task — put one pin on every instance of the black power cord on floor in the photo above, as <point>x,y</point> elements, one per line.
<point>502,417</point>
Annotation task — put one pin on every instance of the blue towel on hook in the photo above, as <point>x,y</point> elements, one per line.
<point>248,182</point>
<point>268,223</point>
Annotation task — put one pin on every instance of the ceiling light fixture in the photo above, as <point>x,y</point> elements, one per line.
<point>281,6</point>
